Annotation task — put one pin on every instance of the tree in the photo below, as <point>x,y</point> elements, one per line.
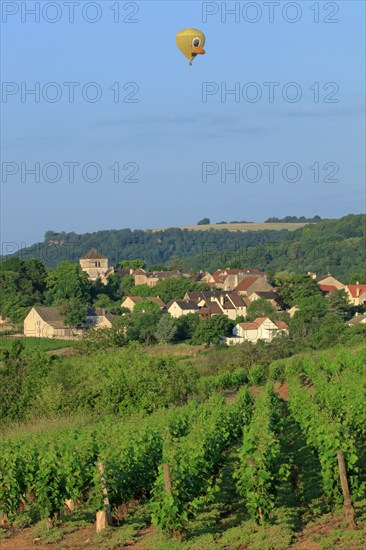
<point>22,284</point>
<point>176,264</point>
<point>144,291</point>
<point>296,287</point>
<point>358,276</point>
<point>113,288</point>
<point>142,326</point>
<point>175,288</point>
<point>261,308</point>
<point>166,329</point>
<point>204,221</point>
<point>211,329</point>
<point>69,287</point>
<point>186,326</point>
<point>146,306</point>
<point>329,331</point>
<point>306,322</point>
<point>158,267</point>
<point>104,302</point>
<point>128,283</point>
<point>131,264</point>
<point>338,305</point>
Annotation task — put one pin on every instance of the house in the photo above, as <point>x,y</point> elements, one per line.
<point>270,296</point>
<point>94,264</point>
<point>234,305</point>
<point>48,322</point>
<point>130,301</point>
<point>210,308</point>
<point>98,318</point>
<point>228,279</point>
<point>356,294</point>
<point>142,277</point>
<point>329,284</point>
<point>251,284</point>
<point>206,277</point>
<point>178,308</point>
<point>227,303</point>
<point>262,328</point>
<point>357,320</point>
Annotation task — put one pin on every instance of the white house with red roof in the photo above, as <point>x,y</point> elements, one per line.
<point>262,328</point>
<point>356,294</point>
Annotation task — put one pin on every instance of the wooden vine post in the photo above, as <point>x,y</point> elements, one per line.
<point>167,478</point>
<point>103,517</point>
<point>350,511</point>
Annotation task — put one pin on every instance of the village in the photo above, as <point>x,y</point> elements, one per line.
<point>226,292</point>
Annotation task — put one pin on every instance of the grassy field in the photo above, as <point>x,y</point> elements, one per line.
<point>240,227</point>
<point>43,344</point>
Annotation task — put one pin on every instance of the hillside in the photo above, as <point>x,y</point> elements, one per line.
<point>330,245</point>
<point>248,226</point>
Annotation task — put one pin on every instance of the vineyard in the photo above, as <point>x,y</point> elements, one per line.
<point>247,466</point>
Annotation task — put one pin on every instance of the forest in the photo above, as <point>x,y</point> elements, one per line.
<point>328,245</point>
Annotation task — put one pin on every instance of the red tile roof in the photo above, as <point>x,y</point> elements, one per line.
<point>254,325</point>
<point>246,283</point>
<point>327,288</point>
<point>357,290</point>
<point>281,325</point>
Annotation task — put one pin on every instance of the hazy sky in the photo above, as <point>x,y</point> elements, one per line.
<point>292,133</point>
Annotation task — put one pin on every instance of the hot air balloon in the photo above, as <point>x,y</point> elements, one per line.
<point>190,42</point>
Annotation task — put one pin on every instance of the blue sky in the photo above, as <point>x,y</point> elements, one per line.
<point>169,132</point>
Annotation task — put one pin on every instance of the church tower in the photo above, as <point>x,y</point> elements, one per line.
<point>94,264</point>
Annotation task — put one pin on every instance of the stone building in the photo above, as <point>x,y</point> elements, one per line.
<point>94,264</point>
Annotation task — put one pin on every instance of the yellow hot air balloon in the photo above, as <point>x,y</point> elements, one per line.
<point>190,42</point>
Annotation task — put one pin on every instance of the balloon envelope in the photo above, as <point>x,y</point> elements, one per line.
<point>190,42</point>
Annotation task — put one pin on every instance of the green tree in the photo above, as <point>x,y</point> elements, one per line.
<point>204,221</point>
<point>158,267</point>
<point>211,329</point>
<point>328,332</point>
<point>142,326</point>
<point>166,329</point>
<point>128,284</point>
<point>305,323</point>
<point>175,288</point>
<point>70,288</point>
<point>186,326</point>
<point>109,305</point>
<point>358,276</point>
<point>338,305</point>
<point>146,306</point>
<point>261,308</point>
<point>22,284</point>
<point>176,264</point>
<point>144,291</point>
<point>131,264</point>
<point>296,287</point>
